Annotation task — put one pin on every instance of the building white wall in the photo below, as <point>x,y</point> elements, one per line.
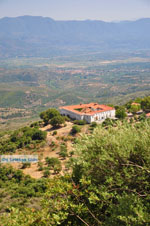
<point>103,115</point>
<point>71,114</point>
<point>89,118</point>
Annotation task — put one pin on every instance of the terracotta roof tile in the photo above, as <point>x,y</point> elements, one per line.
<point>137,104</point>
<point>148,115</point>
<point>87,109</point>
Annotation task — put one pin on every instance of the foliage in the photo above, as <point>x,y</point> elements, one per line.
<point>57,168</point>
<point>22,138</point>
<point>26,165</point>
<point>40,166</point>
<point>52,144</point>
<point>39,135</point>
<point>131,120</point>
<point>80,122</point>
<point>57,121</point>
<point>145,103</point>
<point>52,162</point>
<point>71,153</point>
<point>49,114</point>
<point>93,125</point>
<point>35,124</point>
<point>75,129</point>
<point>114,169</point>
<point>19,190</point>
<point>121,113</point>
<point>109,122</point>
<point>66,118</point>
<point>54,133</point>
<point>109,184</point>
<point>134,109</point>
<point>142,117</point>
<point>63,151</point>
<point>46,173</point>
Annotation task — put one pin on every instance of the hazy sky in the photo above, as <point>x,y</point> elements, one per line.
<point>108,10</point>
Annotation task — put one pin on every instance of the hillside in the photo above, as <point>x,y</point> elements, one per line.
<point>107,182</point>
<point>39,36</point>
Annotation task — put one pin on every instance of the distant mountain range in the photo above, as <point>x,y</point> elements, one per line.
<point>39,36</point>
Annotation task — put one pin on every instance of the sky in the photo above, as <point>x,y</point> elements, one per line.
<point>107,10</point>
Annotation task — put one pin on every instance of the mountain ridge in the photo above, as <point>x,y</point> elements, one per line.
<point>44,36</point>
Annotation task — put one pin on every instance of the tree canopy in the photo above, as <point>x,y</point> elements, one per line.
<point>49,114</point>
<point>120,112</point>
<point>145,103</point>
<point>57,121</point>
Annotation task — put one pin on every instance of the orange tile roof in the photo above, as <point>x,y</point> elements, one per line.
<point>135,104</point>
<point>88,109</point>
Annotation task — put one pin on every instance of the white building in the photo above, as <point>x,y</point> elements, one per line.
<point>92,112</point>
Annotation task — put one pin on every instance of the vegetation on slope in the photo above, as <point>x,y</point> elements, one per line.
<point>18,190</point>
<point>22,138</point>
<point>109,183</point>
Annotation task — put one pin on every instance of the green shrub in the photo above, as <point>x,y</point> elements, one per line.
<point>66,118</point>
<point>75,129</point>
<point>93,125</point>
<point>25,165</point>
<point>35,125</point>
<point>80,122</point>
<point>24,192</point>
<point>46,173</point>
<point>52,144</point>
<point>54,133</point>
<point>142,117</point>
<point>131,120</point>
<point>71,153</point>
<point>109,122</point>
<point>39,135</point>
<point>65,139</point>
<point>22,138</point>
<point>48,115</point>
<point>51,162</point>
<point>63,151</point>
<point>57,121</point>
<point>40,166</point>
<point>63,154</point>
<point>57,169</point>
<point>121,113</point>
